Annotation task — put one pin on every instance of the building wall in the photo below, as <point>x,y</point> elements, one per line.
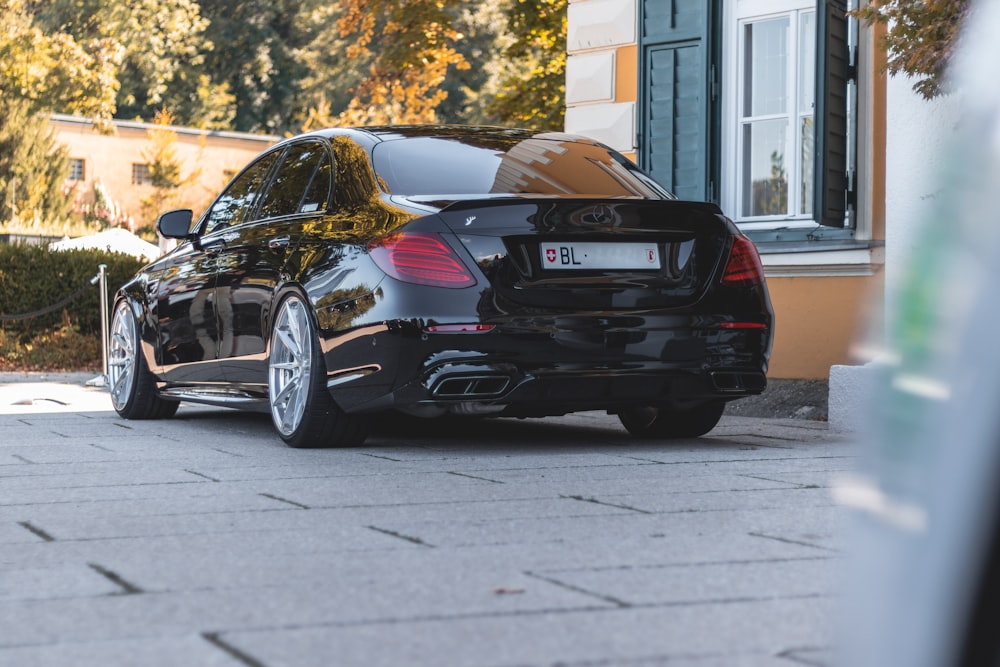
<point>602,71</point>
<point>215,156</point>
<point>822,322</point>
<point>826,304</point>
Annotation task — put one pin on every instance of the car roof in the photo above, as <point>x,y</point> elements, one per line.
<point>380,133</point>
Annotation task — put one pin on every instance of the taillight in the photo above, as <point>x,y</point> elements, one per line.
<point>422,258</point>
<point>743,268</point>
<point>742,325</point>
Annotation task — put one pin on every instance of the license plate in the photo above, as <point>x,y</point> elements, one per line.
<point>582,255</point>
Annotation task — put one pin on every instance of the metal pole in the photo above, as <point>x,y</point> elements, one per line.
<point>102,272</point>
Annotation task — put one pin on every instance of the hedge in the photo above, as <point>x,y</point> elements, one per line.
<point>33,278</point>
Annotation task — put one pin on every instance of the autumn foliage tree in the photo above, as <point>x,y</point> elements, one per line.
<point>533,90</point>
<point>411,46</point>
<point>920,37</point>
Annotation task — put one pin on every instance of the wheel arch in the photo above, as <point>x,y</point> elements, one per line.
<point>283,291</point>
<point>132,295</point>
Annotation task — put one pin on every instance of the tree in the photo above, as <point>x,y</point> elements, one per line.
<point>40,72</point>
<point>920,37</point>
<point>161,47</point>
<point>258,53</point>
<point>411,45</point>
<point>483,26</point>
<point>325,89</point>
<point>33,168</point>
<point>52,70</point>
<point>533,88</point>
<point>165,170</point>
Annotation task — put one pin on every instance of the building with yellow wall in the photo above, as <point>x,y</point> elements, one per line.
<point>119,161</point>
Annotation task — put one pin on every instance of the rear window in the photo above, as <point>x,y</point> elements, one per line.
<point>506,165</point>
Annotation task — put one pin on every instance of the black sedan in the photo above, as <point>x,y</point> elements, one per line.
<point>435,271</point>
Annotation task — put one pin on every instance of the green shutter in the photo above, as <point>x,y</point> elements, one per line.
<point>832,74</point>
<point>679,110</point>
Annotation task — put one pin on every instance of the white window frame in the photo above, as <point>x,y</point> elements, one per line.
<point>77,169</point>
<point>735,16</point>
<point>141,174</point>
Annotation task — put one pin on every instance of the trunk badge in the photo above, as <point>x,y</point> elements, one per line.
<point>468,221</point>
<point>601,214</point>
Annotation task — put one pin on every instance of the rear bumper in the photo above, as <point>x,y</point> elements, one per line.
<point>542,369</point>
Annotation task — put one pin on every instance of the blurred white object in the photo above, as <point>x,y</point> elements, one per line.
<point>923,531</point>
<point>115,239</point>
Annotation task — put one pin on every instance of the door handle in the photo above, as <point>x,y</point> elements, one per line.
<point>278,243</point>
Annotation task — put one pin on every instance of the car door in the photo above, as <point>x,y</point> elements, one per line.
<point>186,297</point>
<point>252,261</point>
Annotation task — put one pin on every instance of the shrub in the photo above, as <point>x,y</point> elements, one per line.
<point>62,348</point>
<point>32,278</point>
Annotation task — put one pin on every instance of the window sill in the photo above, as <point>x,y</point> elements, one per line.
<point>795,259</point>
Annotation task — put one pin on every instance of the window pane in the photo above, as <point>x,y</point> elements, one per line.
<point>292,180</point>
<point>808,139</point>
<point>141,174</point>
<point>807,62</point>
<point>765,87</point>
<point>513,165</point>
<point>765,183</point>
<point>76,172</point>
<point>318,194</point>
<point>236,203</point>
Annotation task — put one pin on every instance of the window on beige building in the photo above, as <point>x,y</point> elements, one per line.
<point>141,174</point>
<point>76,170</point>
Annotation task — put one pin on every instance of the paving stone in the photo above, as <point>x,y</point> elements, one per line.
<point>204,540</point>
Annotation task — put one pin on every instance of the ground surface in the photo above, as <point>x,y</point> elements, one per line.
<point>203,540</point>
<point>785,399</point>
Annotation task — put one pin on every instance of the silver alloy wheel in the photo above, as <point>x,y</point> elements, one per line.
<point>121,356</point>
<point>290,366</point>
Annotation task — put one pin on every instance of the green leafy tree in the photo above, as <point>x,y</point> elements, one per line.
<point>330,75</point>
<point>161,45</point>
<point>40,72</point>
<point>262,53</point>
<point>33,169</point>
<point>52,70</point>
<point>170,186</point>
<point>920,37</point>
<point>483,26</point>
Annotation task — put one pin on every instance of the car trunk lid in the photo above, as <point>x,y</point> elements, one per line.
<point>601,254</point>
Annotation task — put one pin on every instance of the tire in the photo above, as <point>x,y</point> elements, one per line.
<point>131,384</point>
<point>670,422</point>
<point>302,410</point>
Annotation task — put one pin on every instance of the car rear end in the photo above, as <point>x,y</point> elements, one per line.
<point>538,307</point>
<point>532,302</point>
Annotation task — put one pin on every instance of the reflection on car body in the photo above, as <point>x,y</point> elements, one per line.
<point>351,272</point>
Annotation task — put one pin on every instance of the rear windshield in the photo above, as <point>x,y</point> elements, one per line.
<point>508,165</point>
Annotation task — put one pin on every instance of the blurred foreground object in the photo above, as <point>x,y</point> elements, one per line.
<point>924,526</point>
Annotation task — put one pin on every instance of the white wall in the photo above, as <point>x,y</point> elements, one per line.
<point>917,134</point>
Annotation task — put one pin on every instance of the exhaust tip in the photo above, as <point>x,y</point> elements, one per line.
<point>471,386</point>
<point>739,382</point>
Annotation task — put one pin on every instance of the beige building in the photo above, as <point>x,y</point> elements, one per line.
<point>119,163</point>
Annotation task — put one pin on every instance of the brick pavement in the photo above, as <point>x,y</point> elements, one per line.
<point>203,540</point>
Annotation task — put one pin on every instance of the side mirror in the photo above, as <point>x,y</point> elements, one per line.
<point>175,224</point>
